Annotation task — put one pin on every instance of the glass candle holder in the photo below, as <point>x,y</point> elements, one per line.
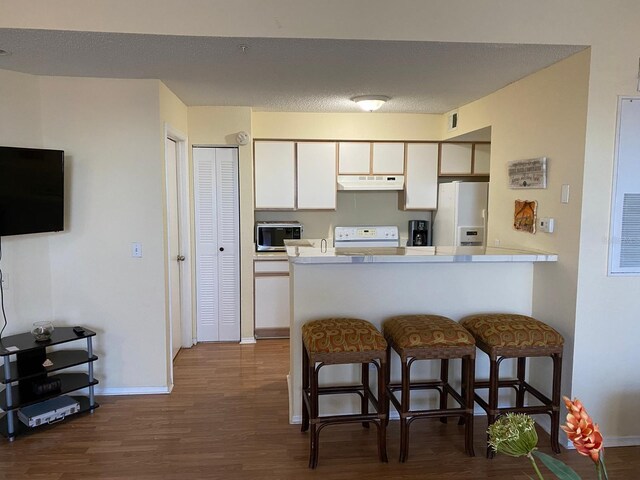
<point>42,331</point>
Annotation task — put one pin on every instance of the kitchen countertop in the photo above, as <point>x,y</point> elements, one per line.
<point>270,256</point>
<point>315,255</point>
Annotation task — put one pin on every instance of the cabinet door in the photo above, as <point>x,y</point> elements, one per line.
<point>421,179</point>
<point>274,175</point>
<point>388,158</point>
<point>456,159</point>
<point>481,156</point>
<point>317,175</point>
<point>272,308</point>
<point>354,158</point>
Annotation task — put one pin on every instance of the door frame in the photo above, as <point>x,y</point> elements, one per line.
<point>184,232</point>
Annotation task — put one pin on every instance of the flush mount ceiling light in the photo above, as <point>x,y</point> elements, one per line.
<point>369,103</point>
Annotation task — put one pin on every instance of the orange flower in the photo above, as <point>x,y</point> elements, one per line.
<point>581,430</point>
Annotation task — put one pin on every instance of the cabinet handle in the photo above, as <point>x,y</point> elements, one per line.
<point>222,249</point>
<point>180,258</point>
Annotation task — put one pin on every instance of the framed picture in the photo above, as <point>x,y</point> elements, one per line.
<point>530,173</point>
<point>524,217</point>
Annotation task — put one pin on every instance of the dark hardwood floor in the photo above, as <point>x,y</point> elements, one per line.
<point>227,419</point>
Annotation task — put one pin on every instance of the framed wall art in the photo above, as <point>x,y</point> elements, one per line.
<point>524,217</point>
<point>530,173</point>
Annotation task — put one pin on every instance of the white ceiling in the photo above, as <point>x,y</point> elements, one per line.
<point>278,74</point>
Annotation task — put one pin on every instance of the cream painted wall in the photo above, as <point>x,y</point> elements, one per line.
<point>25,258</point>
<point>541,115</point>
<point>219,126</point>
<point>109,131</point>
<point>348,126</point>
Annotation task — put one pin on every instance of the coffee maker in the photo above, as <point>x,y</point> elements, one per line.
<point>419,233</point>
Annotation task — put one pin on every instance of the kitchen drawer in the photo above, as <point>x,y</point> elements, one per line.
<point>271,266</point>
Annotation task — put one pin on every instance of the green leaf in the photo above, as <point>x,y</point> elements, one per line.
<point>557,467</point>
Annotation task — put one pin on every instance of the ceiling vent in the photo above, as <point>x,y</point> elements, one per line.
<point>452,120</point>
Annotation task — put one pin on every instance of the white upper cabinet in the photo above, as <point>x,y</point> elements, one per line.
<point>274,175</point>
<point>388,158</point>
<point>421,177</point>
<point>317,175</point>
<point>481,158</point>
<point>354,157</point>
<point>456,159</point>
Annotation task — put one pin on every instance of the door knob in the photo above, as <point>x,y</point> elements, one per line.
<point>222,249</point>
<point>180,258</point>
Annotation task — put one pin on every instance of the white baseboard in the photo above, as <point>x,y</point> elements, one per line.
<point>133,390</point>
<point>247,340</point>
<point>632,441</point>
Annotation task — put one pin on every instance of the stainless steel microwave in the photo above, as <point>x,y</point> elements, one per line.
<point>270,236</point>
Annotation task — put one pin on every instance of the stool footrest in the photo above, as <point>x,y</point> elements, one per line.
<point>348,418</point>
<point>514,383</point>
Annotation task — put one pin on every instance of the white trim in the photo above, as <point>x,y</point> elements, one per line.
<point>247,340</point>
<point>631,441</point>
<point>133,390</point>
<point>184,193</point>
<point>615,208</point>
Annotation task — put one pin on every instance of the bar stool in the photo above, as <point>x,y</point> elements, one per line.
<point>333,341</point>
<point>430,337</point>
<point>504,335</point>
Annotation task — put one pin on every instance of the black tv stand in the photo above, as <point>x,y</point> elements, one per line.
<point>27,366</point>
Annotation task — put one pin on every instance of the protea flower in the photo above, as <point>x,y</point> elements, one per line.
<point>581,430</point>
<point>513,434</point>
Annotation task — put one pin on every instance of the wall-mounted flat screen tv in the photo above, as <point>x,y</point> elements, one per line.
<point>31,190</point>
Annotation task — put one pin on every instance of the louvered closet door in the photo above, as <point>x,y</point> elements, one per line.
<point>217,243</point>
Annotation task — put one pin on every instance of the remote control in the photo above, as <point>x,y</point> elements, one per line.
<point>78,330</point>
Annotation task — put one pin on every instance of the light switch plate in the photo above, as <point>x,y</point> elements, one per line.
<point>546,224</point>
<point>136,250</point>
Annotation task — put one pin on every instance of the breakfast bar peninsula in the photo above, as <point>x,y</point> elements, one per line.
<point>377,283</point>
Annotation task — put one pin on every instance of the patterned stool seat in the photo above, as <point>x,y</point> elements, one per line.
<point>329,337</point>
<point>499,331</point>
<point>410,334</point>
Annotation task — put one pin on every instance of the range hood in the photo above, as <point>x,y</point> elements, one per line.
<point>370,182</point>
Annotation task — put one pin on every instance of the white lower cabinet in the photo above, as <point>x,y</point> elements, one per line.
<point>271,298</point>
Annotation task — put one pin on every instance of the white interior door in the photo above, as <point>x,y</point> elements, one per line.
<point>217,243</point>
<point>173,220</point>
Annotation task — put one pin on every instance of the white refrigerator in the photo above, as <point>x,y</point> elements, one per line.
<point>461,218</point>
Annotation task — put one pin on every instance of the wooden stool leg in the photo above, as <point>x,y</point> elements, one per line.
<point>468,376</point>
<point>387,381</point>
<point>382,400</point>
<point>522,363</point>
<point>444,378</point>
<point>314,434</point>
<point>555,402</point>
<point>494,371</point>
<point>364,400</point>
<point>405,404</point>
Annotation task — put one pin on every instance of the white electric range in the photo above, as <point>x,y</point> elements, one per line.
<point>366,236</point>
